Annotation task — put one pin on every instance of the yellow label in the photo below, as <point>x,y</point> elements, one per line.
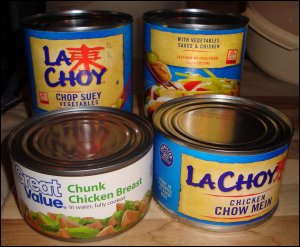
<point>74,73</point>
<point>197,50</point>
<point>229,192</point>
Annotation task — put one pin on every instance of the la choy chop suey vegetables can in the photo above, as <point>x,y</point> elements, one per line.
<point>83,174</point>
<point>219,160</point>
<point>191,51</point>
<point>79,58</point>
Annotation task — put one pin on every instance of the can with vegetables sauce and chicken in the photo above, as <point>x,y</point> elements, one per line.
<point>83,174</point>
<point>219,160</point>
<point>191,52</point>
<point>79,58</point>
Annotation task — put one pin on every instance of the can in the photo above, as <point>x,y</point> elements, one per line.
<point>79,58</point>
<point>219,160</point>
<point>83,174</point>
<point>191,52</point>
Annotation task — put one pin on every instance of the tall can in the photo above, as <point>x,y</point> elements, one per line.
<point>191,52</point>
<point>79,58</point>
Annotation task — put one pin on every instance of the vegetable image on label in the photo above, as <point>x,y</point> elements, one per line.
<point>59,225</point>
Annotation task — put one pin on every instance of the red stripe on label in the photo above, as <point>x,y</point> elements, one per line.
<point>197,51</point>
<point>232,218</point>
<point>243,195</point>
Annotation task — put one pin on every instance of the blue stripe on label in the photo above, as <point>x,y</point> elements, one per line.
<point>199,31</point>
<point>77,35</point>
<point>31,75</point>
<point>234,159</point>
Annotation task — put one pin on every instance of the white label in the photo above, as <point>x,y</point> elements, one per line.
<point>88,198</point>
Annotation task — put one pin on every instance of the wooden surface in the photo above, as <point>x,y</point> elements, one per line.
<point>157,228</point>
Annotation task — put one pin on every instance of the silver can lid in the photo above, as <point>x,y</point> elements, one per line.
<point>196,19</point>
<point>222,123</point>
<point>77,20</point>
<point>80,141</point>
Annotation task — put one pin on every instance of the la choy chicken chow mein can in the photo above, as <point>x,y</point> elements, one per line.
<point>219,160</point>
<point>191,51</point>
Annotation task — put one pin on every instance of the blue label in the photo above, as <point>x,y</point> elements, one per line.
<point>226,190</point>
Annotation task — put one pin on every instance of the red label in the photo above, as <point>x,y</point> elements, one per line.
<point>231,56</point>
<point>43,98</point>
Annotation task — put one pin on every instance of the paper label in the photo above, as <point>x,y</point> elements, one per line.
<point>85,206</point>
<point>75,73</point>
<point>197,50</point>
<point>229,192</point>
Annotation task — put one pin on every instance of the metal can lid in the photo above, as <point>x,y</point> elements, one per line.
<point>80,141</point>
<point>222,123</point>
<point>77,20</point>
<point>196,19</point>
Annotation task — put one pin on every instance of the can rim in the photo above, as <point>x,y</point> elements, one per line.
<point>234,20</point>
<point>39,21</point>
<point>80,167</point>
<point>219,149</point>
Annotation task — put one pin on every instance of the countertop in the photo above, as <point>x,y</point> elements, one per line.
<point>158,228</point>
